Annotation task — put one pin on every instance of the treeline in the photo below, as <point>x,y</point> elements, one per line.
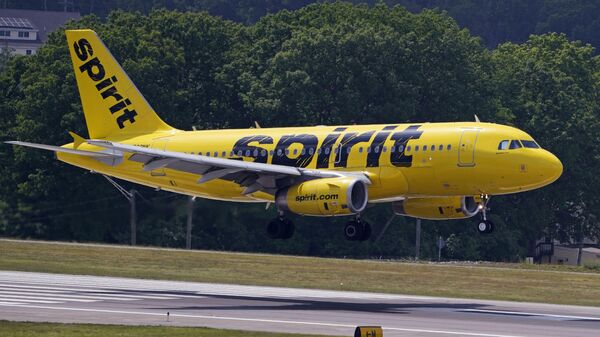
<point>495,21</point>
<point>322,64</point>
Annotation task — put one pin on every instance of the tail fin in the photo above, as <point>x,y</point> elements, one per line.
<point>111,102</point>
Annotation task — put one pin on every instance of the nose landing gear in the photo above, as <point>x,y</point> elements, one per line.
<point>357,230</point>
<point>485,226</point>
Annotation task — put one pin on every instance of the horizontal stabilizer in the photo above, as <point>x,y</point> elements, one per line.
<point>65,150</point>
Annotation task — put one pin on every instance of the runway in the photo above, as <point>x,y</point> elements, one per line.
<point>89,299</point>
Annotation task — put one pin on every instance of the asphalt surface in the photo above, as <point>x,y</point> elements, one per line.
<point>90,299</point>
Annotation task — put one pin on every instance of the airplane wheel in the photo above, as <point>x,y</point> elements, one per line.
<point>366,231</point>
<point>280,228</point>
<point>485,226</point>
<point>357,230</point>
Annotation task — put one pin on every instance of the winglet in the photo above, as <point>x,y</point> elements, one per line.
<point>77,139</point>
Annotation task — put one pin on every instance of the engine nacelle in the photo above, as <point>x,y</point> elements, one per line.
<point>325,196</point>
<point>442,208</point>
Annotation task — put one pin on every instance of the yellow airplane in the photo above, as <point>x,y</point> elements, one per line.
<point>425,170</point>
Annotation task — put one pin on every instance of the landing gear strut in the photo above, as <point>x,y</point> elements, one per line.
<point>357,230</point>
<point>280,228</point>
<point>485,226</point>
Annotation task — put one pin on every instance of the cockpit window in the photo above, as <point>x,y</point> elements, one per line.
<point>530,144</point>
<point>503,145</point>
<point>515,144</point>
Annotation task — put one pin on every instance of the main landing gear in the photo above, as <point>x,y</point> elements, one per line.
<point>485,226</point>
<point>280,228</point>
<point>357,230</point>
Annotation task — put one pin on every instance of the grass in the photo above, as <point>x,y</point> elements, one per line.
<point>28,329</point>
<point>514,282</point>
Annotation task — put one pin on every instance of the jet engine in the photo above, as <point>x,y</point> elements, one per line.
<point>438,208</point>
<point>326,196</point>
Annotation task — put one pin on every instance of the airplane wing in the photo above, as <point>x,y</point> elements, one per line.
<point>65,150</point>
<point>253,176</point>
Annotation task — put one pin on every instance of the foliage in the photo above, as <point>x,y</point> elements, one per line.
<point>321,64</point>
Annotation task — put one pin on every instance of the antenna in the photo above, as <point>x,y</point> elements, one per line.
<point>477,119</point>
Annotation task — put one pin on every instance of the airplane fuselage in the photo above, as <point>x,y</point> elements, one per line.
<point>401,160</point>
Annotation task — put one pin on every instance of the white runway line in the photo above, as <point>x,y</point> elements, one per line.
<point>63,295</point>
<point>29,301</point>
<point>441,332</point>
<point>62,299</point>
<point>124,293</point>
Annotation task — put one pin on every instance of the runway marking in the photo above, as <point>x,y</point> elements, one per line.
<point>529,314</point>
<point>442,332</point>
<point>104,294</point>
<point>28,301</point>
<point>25,298</point>
<point>63,295</point>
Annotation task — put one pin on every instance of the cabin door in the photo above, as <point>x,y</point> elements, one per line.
<point>466,147</point>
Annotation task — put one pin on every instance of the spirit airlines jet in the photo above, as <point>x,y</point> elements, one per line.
<point>425,170</point>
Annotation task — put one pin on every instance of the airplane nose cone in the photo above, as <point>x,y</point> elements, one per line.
<point>553,166</point>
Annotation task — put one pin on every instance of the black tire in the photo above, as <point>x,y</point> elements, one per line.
<point>366,231</point>
<point>490,226</point>
<point>275,229</point>
<point>485,227</point>
<point>288,229</point>
<point>353,230</point>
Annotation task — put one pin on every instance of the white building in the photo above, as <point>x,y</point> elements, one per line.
<point>24,31</point>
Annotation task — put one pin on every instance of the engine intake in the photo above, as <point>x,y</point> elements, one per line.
<point>326,196</point>
<point>438,208</point>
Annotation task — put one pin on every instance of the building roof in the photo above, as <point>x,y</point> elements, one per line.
<point>45,21</point>
<point>22,23</point>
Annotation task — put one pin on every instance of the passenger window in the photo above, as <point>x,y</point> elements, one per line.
<point>530,144</point>
<point>360,149</point>
<point>239,153</point>
<point>385,149</point>
<point>311,151</point>
<point>231,154</point>
<point>199,153</point>
<point>303,152</point>
<point>449,147</point>
<point>393,149</point>
<point>255,153</point>
<point>376,149</point>
<point>424,147</point>
<point>327,150</point>
<point>287,152</point>
<point>441,147</point>
<point>416,148</point>
<point>348,149</point>
<point>432,147</point>
<point>368,149</point>
<point>279,152</point>
<point>263,153</point>
<point>515,144</point>
<point>400,148</point>
<point>295,152</point>
<point>208,154</point>
<point>319,151</point>
<point>503,145</point>
<point>247,153</point>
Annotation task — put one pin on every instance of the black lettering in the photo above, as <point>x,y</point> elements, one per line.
<point>120,105</point>
<point>83,49</point>
<point>304,156</point>
<point>398,157</point>
<point>349,140</point>
<point>90,66</point>
<point>105,83</point>
<point>377,146</point>
<point>259,154</point>
<point>323,157</point>
<point>128,115</point>
<point>112,91</point>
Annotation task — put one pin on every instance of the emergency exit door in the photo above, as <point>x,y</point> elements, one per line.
<point>466,147</point>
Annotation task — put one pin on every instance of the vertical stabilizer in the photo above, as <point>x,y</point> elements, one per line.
<point>112,104</point>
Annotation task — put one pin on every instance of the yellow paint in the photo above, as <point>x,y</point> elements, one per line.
<point>461,159</point>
